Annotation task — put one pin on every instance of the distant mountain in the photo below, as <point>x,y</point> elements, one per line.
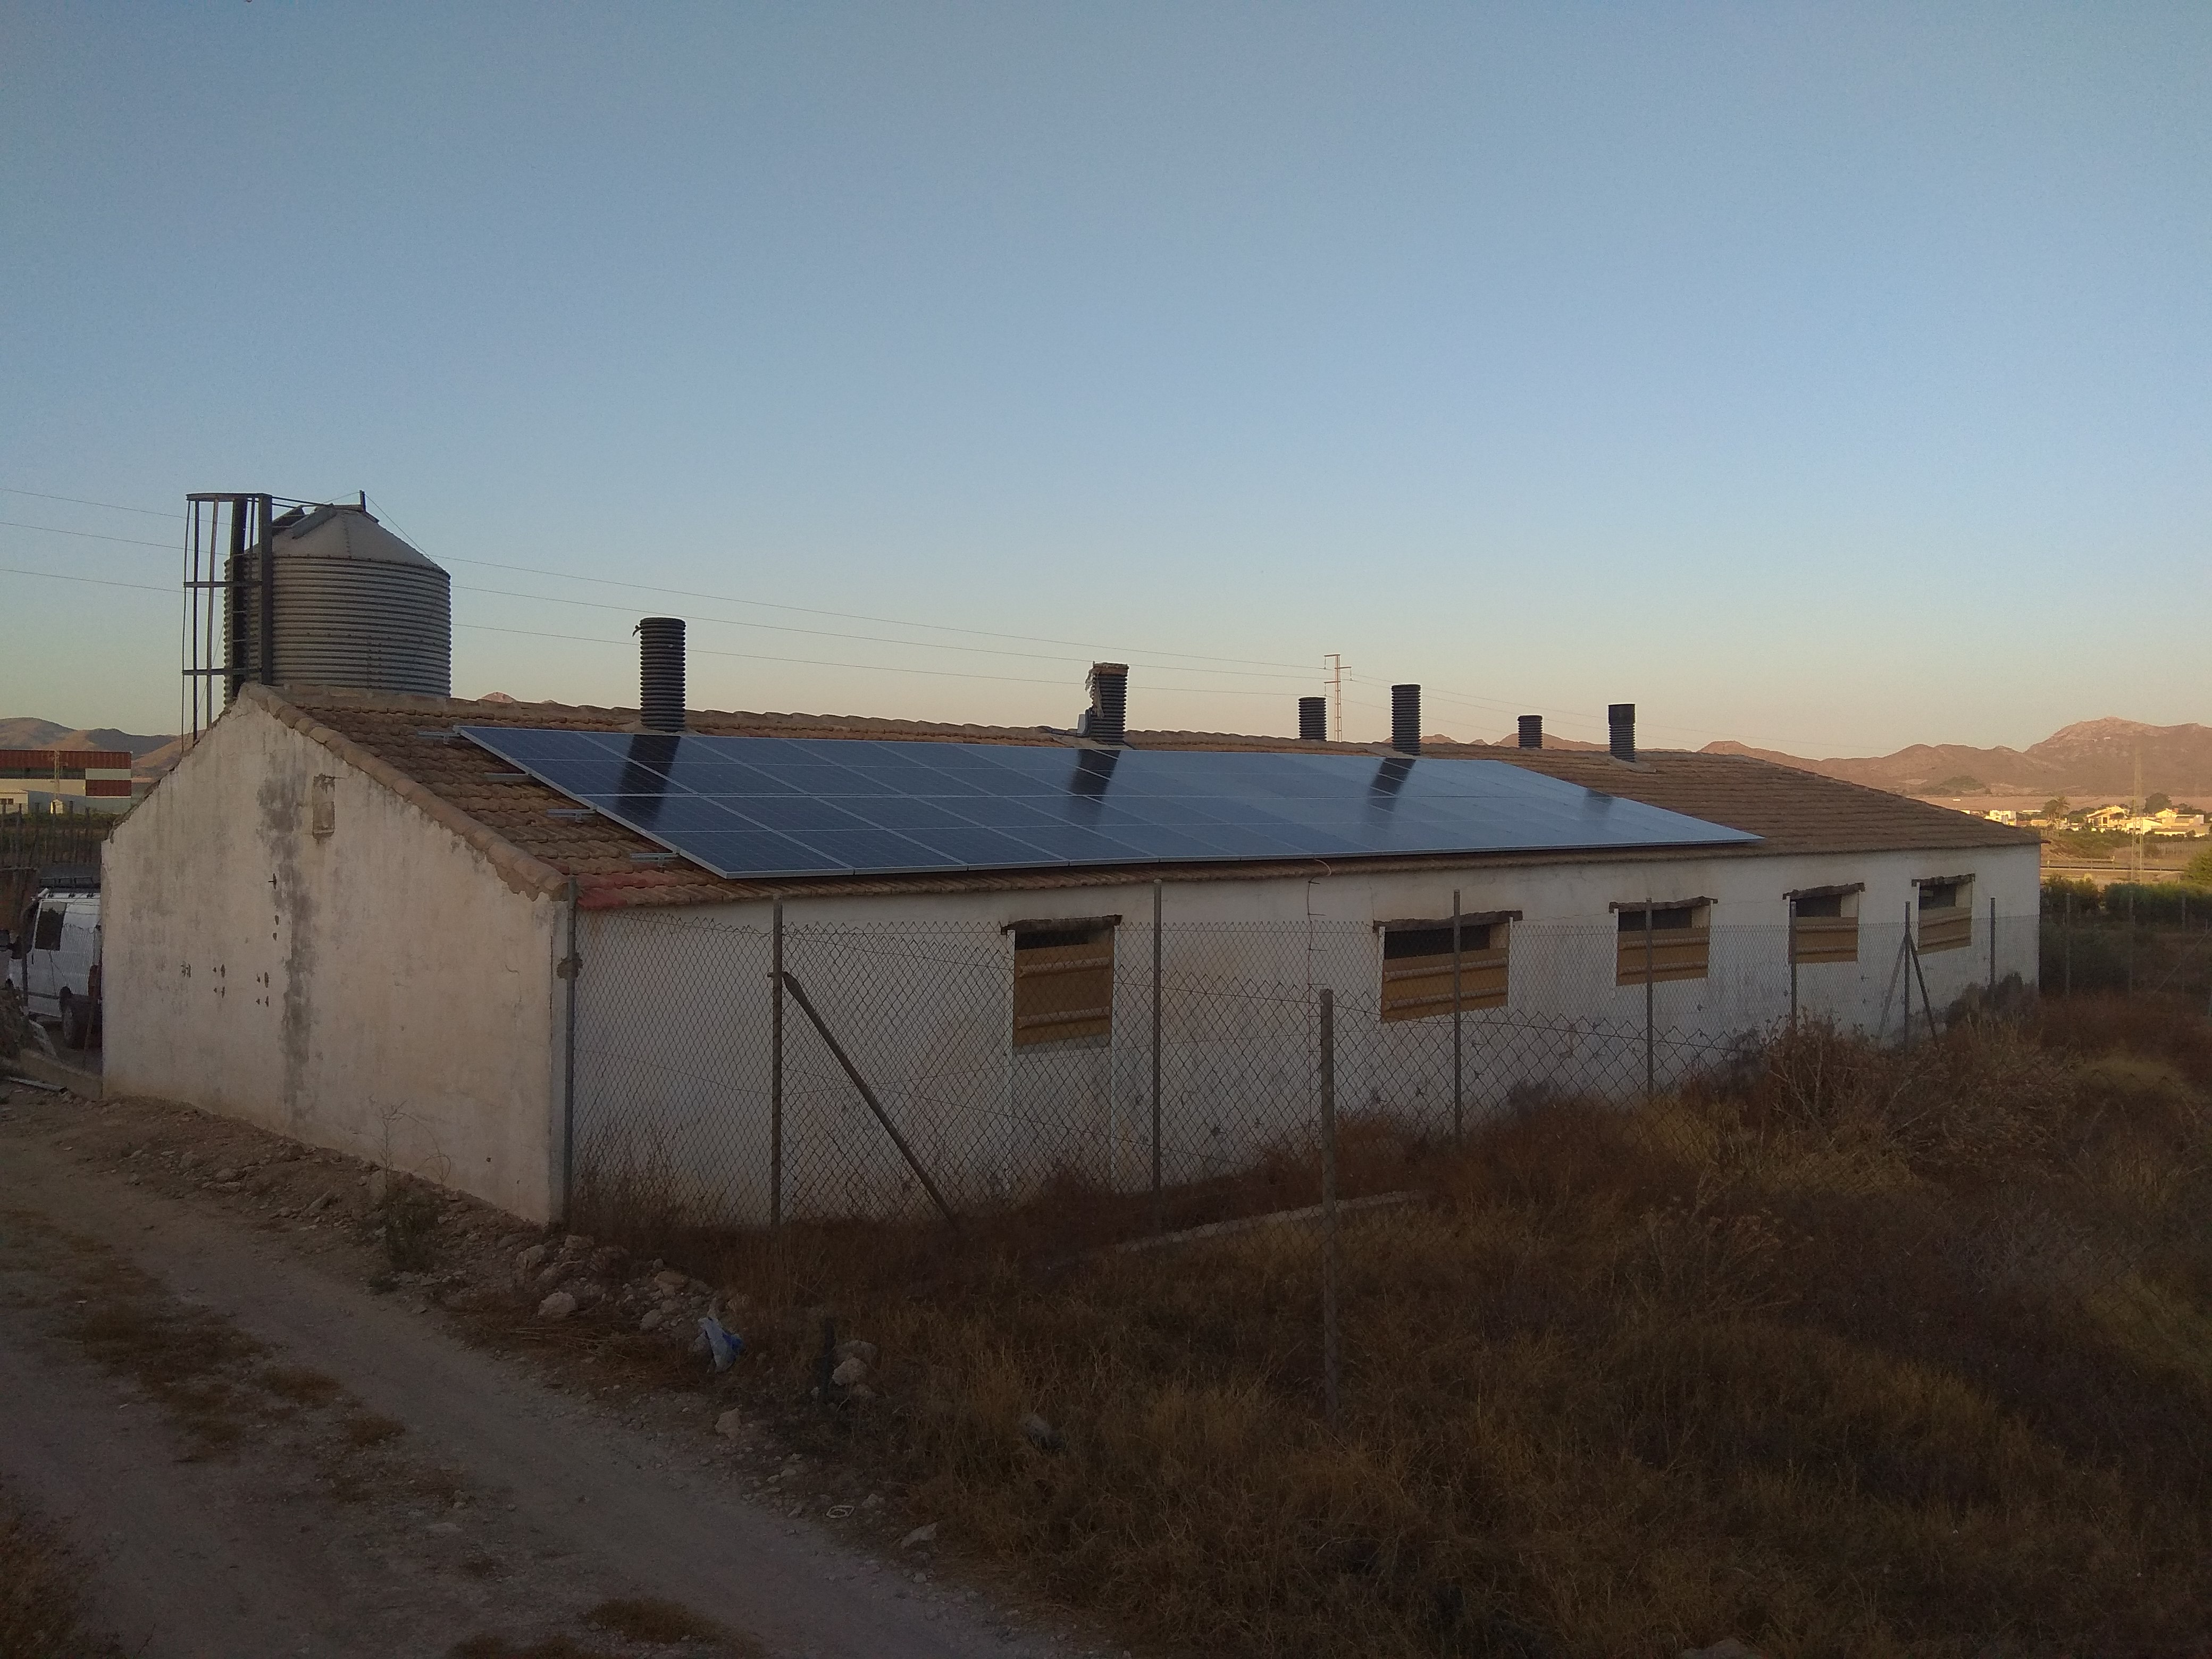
<point>150,756</point>
<point>2089,758</point>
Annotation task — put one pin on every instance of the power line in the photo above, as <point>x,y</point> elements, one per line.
<point>1237,663</point>
<point>726,622</point>
<point>80,500</point>
<point>865,639</point>
<point>96,581</point>
<point>89,535</point>
<point>871,667</point>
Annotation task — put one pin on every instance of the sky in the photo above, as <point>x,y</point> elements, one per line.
<point>1829,378</point>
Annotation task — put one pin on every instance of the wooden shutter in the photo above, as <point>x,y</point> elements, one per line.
<point>1947,914</point>
<point>1417,968</point>
<point>1063,983</point>
<point>1680,947</point>
<point>1825,938</point>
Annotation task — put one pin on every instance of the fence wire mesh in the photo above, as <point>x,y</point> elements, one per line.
<point>899,1071</point>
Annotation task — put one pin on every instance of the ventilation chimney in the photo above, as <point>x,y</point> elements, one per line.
<point>1406,718</point>
<point>1313,719</point>
<point>660,673</point>
<point>1531,731</point>
<point>1621,717</point>
<point>1107,719</point>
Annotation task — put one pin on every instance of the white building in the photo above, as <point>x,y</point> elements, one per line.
<point>339,920</point>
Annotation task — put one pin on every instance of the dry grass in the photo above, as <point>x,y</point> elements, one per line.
<point>1861,1353</point>
<point>372,1429</point>
<point>487,1646</point>
<point>42,1598</point>
<point>643,1619</point>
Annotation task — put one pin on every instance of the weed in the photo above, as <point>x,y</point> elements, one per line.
<point>370,1429</point>
<point>299,1384</point>
<point>646,1620</point>
<point>407,1224</point>
<point>487,1646</point>
<point>1850,1351</point>
<point>42,1594</point>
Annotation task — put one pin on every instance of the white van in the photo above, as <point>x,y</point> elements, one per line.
<point>54,963</point>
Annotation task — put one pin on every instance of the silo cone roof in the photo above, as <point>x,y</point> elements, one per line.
<point>347,532</point>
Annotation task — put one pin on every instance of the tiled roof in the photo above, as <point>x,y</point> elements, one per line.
<point>510,818</point>
<point>1793,812</point>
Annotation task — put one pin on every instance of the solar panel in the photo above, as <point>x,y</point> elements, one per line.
<point>834,806</point>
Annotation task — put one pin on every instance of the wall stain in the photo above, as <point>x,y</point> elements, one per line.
<point>281,803</point>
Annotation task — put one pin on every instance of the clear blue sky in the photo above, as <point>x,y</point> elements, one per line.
<point>1833,377</point>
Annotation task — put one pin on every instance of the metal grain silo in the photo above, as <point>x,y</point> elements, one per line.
<point>354,605</point>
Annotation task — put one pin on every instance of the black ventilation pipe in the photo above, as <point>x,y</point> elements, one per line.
<point>1621,717</point>
<point>1107,719</point>
<point>660,673</point>
<point>1531,731</point>
<point>1406,718</point>
<point>1313,719</point>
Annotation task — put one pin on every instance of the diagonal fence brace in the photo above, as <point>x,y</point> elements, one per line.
<point>806,1007</point>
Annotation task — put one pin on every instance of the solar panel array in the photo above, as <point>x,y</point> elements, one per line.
<point>834,806</point>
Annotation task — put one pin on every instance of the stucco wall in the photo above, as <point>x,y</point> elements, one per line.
<point>674,1016</point>
<point>377,989</point>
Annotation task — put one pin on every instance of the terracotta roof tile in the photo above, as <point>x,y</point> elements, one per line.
<point>1793,811</point>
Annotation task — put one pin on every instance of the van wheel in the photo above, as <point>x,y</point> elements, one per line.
<point>76,1022</point>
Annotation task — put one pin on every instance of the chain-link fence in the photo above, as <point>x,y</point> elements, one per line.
<point>2133,939</point>
<point>744,1068</point>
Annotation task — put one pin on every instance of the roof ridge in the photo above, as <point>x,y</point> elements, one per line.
<point>526,874</point>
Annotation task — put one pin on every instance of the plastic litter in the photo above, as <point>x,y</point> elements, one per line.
<point>724,1345</point>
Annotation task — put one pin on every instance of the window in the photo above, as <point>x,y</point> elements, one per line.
<point>49,934</point>
<point>1947,913</point>
<point>1063,980</point>
<point>1417,965</point>
<point>1677,947</point>
<point>1824,924</point>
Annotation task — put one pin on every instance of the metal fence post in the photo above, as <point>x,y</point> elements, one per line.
<point>1904,974</point>
<point>2131,939</point>
<point>2066,943</point>
<point>1159,1193</point>
<point>1332,1358</point>
<point>569,966</point>
<point>1793,962</point>
<point>1993,947</point>
<point>1459,1046</point>
<point>776,1067</point>
<point>1650,951</point>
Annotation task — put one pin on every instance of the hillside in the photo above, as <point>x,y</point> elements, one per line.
<point>150,756</point>
<point>2089,758</point>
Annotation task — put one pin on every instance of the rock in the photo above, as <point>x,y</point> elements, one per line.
<point>653,1320</point>
<point>670,1280</point>
<point>575,1244</point>
<point>559,1305</point>
<point>317,1205</point>
<point>920,1536</point>
<point>1042,1434</point>
<point>377,1183</point>
<point>531,1258</point>
<point>730,1425</point>
<point>607,1262</point>
<point>1727,1648</point>
<point>585,1293</point>
<point>863,1352</point>
<point>226,1174</point>
<point>858,1391</point>
<point>850,1372</point>
<point>874,1500</point>
<point>554,1274</point>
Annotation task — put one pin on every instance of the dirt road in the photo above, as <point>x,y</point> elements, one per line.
<point>264,1457</point>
